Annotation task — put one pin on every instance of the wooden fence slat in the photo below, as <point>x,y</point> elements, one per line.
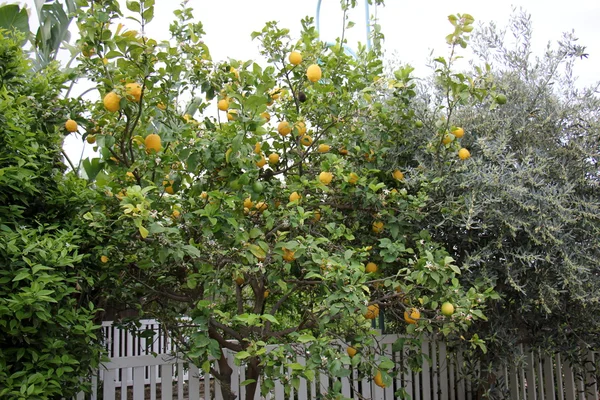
<point>539,383</point>
<point>591,387</point>
<point>434,370</point>
<point>94,395</point>
<point>443,371</point>
<point>108,391</point>
<point>166,386</point>
<point>389,390</point>
<point>461,392</point>
<point>323,383</point>
<point>138,384</point>
<point>426,373</point>
<point>451,376</point>
<point>570,393</point>
<point>365,386</point>
<point>530,375</point>
<point>302,389</point>
<point>153,377</point>
<point>560,387</point>
<point>549,378</point>
<point>180,377</point>
<point>194,383</point>
<point>514,383</point>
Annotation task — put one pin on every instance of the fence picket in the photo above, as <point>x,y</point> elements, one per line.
<point>549,378</point>
<point>426,373</point>
<point>194,383</point>
<point>138,384</point>
<point>530,376</point>
<point>166,385</point>
<point>108,391</point>
<point>591,388</point>
<point>514,383</point>
<point>443,371</point>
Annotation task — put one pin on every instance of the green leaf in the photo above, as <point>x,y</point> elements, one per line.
<point>241,355</point>
<point>306,338</point>
<point>12,16</point>
<point>133,6</point>
<point>143,231</point>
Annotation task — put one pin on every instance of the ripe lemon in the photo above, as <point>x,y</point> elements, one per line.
<point>161,106</point>
<point>447,309</point>
<point>112,102</point>
<point>458,132</point>
<point>176,214</point>
<point>261,206</point>
<point>413,316</point>
<point>398,175</point>
<point>316,216</point>
<point>262,162</point>
<point>372,311</point>
<point>104,259</point>
<point>463,154</point>
<point>306,140</point>
<point>223,105</point>
<point>91,139</point>
<point>377,226</point>
<point>313,73</point>
<point>295,197</point>
<point>168,187</point>
<point>447,139</point>
<point>295,58</point>
<point>352,178</point>
<point>351,351</point>
<point>134,90</point>
<point>204,195</point>
<point>301,127</point>
<point>288,255</point>
<point>71,125</point>
<point>343,152</point>
<point>323,148</point>
<point>257,148</point>
<point>273,158</point>
<point>152,142</point>
<point>371,268</point>
<point>378,379</point>
<point>248,203</point>
<point>325,177</point>
<point>266,116</point>
<point>266,294</point>
<point>231,115</point>
<point>284,128</point>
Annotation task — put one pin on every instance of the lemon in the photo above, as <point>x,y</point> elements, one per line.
<point>91,139</point>
<point>323,148</point>
<point>372,311</point>
<point>371,268</point>
<point>325,177</point>
<point>262,162</point>
<point>288,255</point>
<point>447,309</point>
<point>413,316</point>
<point>161,106</point>
<point>134,90</point>
<point>313,73</point>
<point>284,128</point>
<point>112,102</point>
<point>458,132</point>
<point>351,351</point>
<point>301,127</point>
<point>352,178</point>
<point>447,139</point>
<point>231,115</point>
<point>175,214</point>
<point>378,379</point>
<point>378,226</point>
<point>261,206</point>
<point>398,175</point>
<point>273,158</point>
<point>248,203</point>
<point>152,142</point>
<point>463,154</point>
<point>223,105</point>
<point>306,140</point>
<point>104,259</point>
<point>266,116</point>
<point>71,125</point>
<point>257,148</point>
<point>295,58</point>
<point>295,196</point>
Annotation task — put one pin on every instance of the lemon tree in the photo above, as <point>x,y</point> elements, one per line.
<point>254,200</point>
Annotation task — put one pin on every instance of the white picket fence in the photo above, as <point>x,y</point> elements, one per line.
<point>136,374</point>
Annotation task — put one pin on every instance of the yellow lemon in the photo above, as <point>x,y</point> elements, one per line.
<point>91,139</point>
<point>372,311</point>
<point>313,73</point>
<point>262,162</point>
<point>257,148</point>
<point>295,196</point>
<point>352,178</point>
<point>288,255</point>
<point>378,379</point>
<point>295,58</point>
<point>152,142</point>
<point>284,128</point>
<point>325,177</point>
<point>104,259</point>
<point>301,127</point>
<point>248,203</point>
<point>306,140</point>
<point>447,309</point>
<point>112,102</point>
<point>371,268</point>
<point>261,206</point>
<point>273,158</point>
<point>266,116</point>
<point>323,148</point>
<point>413,316</point>
<point>223,105</point>
<point>134,90</point>
<point>447,139</point>
<point>463,154</point>
<point>351,351</point>
<point>71,125</point>
<point>458,132</point>
<point>398,175</point>
<point>378,226</point>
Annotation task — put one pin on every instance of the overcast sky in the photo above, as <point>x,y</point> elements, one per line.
<point>412,29</point>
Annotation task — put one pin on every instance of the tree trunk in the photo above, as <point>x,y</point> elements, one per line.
<point>224,377</point>
<point>253,372</point>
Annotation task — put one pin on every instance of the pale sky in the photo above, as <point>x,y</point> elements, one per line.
<point>412,29</point>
